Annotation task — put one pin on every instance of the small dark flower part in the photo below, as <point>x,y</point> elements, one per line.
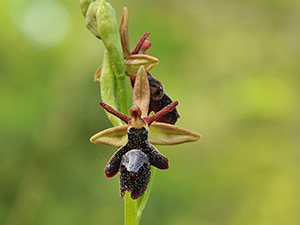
<point>156,88</point>
<point>133,160</point>
<point>155,106</point>
<point>159,99</point>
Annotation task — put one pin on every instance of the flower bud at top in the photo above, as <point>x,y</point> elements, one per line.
<point>84,5</point>
<point>91,20</point>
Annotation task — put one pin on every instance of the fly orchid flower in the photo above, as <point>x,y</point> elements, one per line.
<point>136,138</point>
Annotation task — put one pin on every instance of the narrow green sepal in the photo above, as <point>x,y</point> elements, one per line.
<point>114,137</point>
<point>167,134</point>
<point>141,91</point>
<point>136,61</point>
<point>124,33</point>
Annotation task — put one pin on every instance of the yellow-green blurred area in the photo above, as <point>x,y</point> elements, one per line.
<point>234,67</point>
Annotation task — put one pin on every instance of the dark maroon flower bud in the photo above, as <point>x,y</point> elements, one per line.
<point>155,106</point>
<point>156,88</point>
<point>159,99</point>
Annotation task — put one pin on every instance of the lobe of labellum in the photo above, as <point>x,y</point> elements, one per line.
<point>157,159</point>
<point>141,91</point>
<point>115,136</point>
<point>166,134</point>
<point>124,33</point>
<point>113,165</point>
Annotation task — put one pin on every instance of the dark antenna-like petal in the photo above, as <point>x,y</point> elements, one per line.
<point>111,110</point>
<point>140,43</point>
<point>161,113</point>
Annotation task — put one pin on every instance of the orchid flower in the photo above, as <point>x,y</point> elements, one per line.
<point>136,138</point>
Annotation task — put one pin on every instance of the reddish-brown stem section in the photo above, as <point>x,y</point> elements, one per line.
<point>111,110</point>
<point>161,113</point>
<point>140,43</point>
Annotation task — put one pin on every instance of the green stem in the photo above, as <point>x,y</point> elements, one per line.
<point>133,208</point>
<point>130,210</point>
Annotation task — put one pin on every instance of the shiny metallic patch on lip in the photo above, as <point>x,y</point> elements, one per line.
<point>134,160</point>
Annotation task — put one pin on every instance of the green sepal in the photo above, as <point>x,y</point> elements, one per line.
<point>141,91</point>
<point>136,61</point>
<point>114,136</point>
<point>167,134</point>
<point>124,33</point>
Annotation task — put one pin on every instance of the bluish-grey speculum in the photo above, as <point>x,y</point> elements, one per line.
<point>134,160</point>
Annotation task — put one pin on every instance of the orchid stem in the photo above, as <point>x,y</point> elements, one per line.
<point>133,208</point>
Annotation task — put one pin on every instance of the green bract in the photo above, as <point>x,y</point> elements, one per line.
<point>100,19</point>
<point>108,87</point>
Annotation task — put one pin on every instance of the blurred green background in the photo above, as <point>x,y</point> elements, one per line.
<point>232,65</point>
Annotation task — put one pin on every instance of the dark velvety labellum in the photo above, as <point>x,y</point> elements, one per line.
<point>135,172</point>
<point>133,160</point>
